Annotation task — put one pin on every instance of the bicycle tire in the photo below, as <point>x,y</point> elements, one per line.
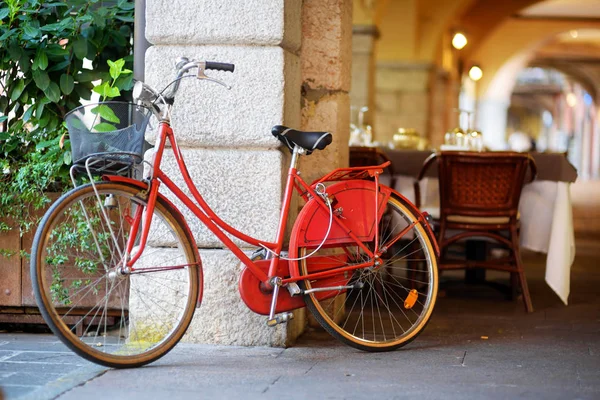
<point>73,269</point>
<point>381,300</point>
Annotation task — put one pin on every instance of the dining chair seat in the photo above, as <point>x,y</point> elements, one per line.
<point>466,219</point>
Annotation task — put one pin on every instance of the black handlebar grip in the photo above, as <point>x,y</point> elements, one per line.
<point>219,66</point>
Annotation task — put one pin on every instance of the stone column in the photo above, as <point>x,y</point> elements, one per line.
<point>326,60</point>
<point>225,137</point>
<point>363,68</point>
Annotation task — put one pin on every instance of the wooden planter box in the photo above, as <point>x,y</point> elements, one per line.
<point>17,301</point>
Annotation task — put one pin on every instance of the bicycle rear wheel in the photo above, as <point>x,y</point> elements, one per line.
<point>388,306</point>
<point>105,314</point>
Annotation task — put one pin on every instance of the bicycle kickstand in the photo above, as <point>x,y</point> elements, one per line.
<point>275,320</point>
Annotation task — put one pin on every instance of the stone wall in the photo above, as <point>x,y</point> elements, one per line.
<point>402,98</point>
<point>225,135</point>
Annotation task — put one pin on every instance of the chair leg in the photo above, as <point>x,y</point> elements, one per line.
<point>520,270</point>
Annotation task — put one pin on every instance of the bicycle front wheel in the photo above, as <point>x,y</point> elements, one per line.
<point>383,307</point>
<point>100,310</point>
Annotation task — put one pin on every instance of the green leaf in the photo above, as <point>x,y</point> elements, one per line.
<point>105,127</point>
<point>125,82</point>
<point>102,88</point>
<point>105,90</point>
<point>106,113</point>
<point>56,51</point>
<point>80,48</point>
<point>4,13</point>
<point>124,18</point>
<point>67,158</point>
<point>51,27</point>
<point>7,34</point>
<point>24,96</point>
<point>40,109</point>
<point>99,20</point>
<point>127,6</point>
<point>31,31</point>
<point>25,63</point>
<point>113,92</point>
<point>41,78</point>
<point>60,66</point>
<point>66,83</point>
<point>3,118</point>
<point>116,67</point>
<point>27,114</point>
<point>15,51</point>
<point>44,144</point>
<point>17,90</point>
<point>44,121</point>
<point>41,60</point>
<point>53,92</point>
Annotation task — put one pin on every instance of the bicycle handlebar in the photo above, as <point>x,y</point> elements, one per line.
<point>147,96</point>
<point>218,66</point>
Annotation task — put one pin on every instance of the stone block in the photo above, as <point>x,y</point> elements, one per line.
<point>243,187</point>
<point>387,102</point>
<point>415,104</point>
<point>402,77</point>
<point>327,44</point>
<point>330,113</point>
<point>222,318</point>
<point>247,22</point>
<point>265,92</point>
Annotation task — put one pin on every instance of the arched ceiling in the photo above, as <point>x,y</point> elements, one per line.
<point>562,34</point>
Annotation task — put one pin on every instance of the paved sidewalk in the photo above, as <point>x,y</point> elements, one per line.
<point>478,345</point>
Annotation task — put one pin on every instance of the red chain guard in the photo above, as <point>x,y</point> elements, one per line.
<point>260,302</point>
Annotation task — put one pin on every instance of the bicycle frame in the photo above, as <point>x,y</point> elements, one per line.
<point>208,217</point>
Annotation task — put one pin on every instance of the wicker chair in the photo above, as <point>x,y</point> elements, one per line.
<point>479,197</point>
<point>367,156</point>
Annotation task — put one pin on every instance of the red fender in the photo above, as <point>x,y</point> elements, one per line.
<point>178,216</point>
<point>355,198</point>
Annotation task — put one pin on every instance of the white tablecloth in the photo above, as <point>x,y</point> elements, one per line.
<point>546,223</point>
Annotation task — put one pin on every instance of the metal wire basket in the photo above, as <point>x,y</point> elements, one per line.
<point>111,133</point>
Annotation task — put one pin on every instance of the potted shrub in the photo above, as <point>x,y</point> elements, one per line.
<point>50,53</point>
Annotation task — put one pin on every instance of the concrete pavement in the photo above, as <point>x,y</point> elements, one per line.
<point>478,345</point>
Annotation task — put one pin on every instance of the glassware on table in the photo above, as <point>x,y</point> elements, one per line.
<point>360,134</point>
<point>406,138</point>
<point>475,140</point>
<point>458,139</point>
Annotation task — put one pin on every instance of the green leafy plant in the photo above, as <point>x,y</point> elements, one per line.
<point>110,90</point>
<point>50,53</point>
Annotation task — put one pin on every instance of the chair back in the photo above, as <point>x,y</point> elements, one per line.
<point>369,156</point>
<point>486,184</point>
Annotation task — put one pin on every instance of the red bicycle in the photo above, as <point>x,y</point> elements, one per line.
<point>116,270</point>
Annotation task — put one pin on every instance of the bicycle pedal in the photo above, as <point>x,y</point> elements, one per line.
<point>280,319</point>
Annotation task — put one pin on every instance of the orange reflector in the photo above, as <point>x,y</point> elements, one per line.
<point>411,299</point>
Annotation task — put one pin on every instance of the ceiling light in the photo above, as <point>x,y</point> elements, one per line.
<point>475,73</point>
<point>574,34</point>
<point>459,40</point>
<point>571,99</point>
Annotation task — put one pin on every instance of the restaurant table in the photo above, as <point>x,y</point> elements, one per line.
<point>545,208</point>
